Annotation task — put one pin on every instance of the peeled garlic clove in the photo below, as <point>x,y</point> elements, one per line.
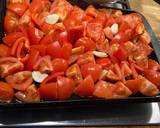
<point>38,76</point>
<point>100,54</point>
<point>52,19</point>
<point>114,29</point>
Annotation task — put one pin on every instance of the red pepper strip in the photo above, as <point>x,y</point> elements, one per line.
<point>52,77</point>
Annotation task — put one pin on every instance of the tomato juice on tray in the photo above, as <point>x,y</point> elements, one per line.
<point>51,51</point>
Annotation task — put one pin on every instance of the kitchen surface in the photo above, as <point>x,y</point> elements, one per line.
<point>141,115</point>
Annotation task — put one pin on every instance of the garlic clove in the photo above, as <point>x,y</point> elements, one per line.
<point>100,54</point>
<point>51,19</point>
<point>38,76</point>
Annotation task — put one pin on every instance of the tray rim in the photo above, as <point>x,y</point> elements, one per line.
<point>73,102</point>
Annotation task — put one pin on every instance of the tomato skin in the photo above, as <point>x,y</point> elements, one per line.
<point>85,88</point>
<point>59,65</point>
<point>36,6</point>
<point>10,65</point>
<point>35,35</point>
<point>10,23</point>
<point>6,92</point>
<point>88,43</point>
<point>91,69</point>
<point>20,80</point>
<point>10,38</point>
<point>153,65</point>
<point>48,91</point>
<point>54,50</point>
<point>4,50</point>
<point>18,8</point>
<point>65,87</point>
<point>104,62</point>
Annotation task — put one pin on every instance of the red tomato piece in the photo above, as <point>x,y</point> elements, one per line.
<point>18,8</point>
<point>20,80</point>
<point>10,23</point>
<point>31,95</point>
<point>48,91</point>
<point>91,69</point>
<point>59,65</point>
<point>35,35</point>
<point>10,65</point>
<point>121,54</point>
<point>4,50</point>
<point>91,11</point>
<point>10,38</point>
<point>85,88</point>
<point>65,87</point>
<point>47,39</point>
<point>103,90</point>
<point>133,85</point>
<point>104,62</point>
<point>33,57</point>
<point>94,30</point>
<point>88,43</point>
<point>41,48</point>
<point>66,51</point>
<point>87,57</point>
<point>6,92</point>
<point>74,72</point>
<point>54,50</point>
<point>44,64</point>
<point>62,8</point>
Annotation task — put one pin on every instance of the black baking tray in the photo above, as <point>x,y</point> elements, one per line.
<point>76,101</point>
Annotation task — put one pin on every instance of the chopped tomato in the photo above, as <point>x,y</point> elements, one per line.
<point>59,65</point>
<point>6,92</point>
<point>121,54</point>
<point>103,90</point>
<point>10,38</point>
<point>147,88</point>
<point>66,51</point>
<point>35,35</point>
<point>85,88</point>
<point>86,58</point>
<point>10,23</point>
<point>4,50</point>
<point>54,50</point>
<point>48,91</point>
<point>91,69</point>
<point>104,62</point>
<point>9,65</point>
<point>18,8</point>
<point>47,39</point>
<point>74,72</point>
<point>20,80</point>
<point>43,64</point>
<point>88,43</point>
<point>33,57</point>
<point>94,30</point>
<point>41,48</point>
<point>65,87</point>
<point>31,95</point>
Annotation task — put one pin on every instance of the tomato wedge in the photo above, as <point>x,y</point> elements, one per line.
<point>4,50</point>
<point>6,92</point>
<point>20,80</point>
<point>86,87</point>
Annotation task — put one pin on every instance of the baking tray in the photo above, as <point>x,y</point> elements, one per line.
<point>76,101</point>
